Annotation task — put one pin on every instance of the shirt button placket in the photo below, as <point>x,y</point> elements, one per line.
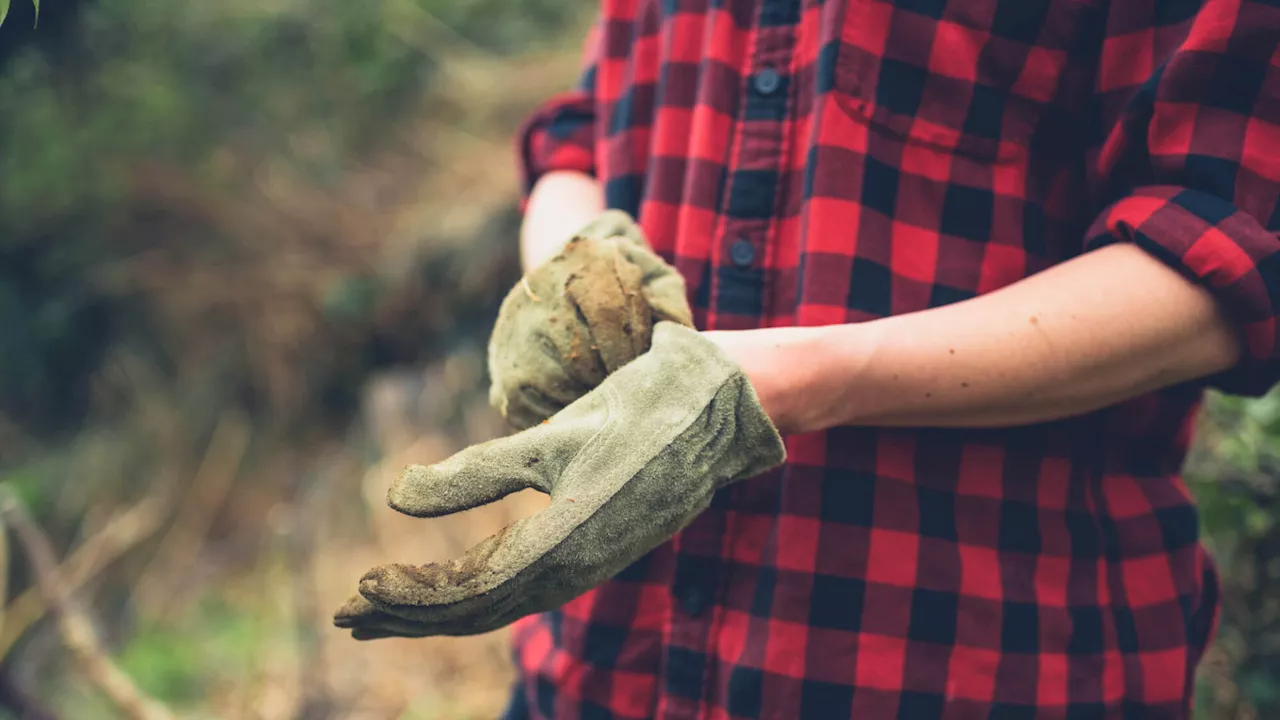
<point>757,174</point>
<point>766,81</point>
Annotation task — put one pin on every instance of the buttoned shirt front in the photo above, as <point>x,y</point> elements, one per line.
<point>804,162</point>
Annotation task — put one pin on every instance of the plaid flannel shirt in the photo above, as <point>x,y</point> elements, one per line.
<point>814,162</point>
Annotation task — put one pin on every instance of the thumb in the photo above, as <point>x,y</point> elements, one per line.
<point>489,471</point>
<point>662,285</point>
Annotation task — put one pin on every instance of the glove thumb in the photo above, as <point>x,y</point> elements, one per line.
<point>483,473</point>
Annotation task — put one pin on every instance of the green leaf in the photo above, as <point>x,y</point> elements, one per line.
<point>4,11</point>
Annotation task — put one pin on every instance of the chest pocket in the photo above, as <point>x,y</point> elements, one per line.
<point>970,77</point>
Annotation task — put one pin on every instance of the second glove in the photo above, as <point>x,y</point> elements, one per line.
<point>579,316</point>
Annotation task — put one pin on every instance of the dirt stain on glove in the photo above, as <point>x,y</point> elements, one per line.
<point>579,317</point>
<point>414,579</point>
<point>604,289</point>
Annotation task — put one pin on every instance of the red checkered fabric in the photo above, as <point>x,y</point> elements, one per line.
<point>812,162</point>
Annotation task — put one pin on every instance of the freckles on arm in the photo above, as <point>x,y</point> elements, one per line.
<point>1099,329</point>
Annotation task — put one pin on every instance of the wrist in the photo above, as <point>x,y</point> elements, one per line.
<point>791,370</point>
<point>560,204</point>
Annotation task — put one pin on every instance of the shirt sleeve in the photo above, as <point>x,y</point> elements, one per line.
<point>560,134</point>
<point>1191,161</point>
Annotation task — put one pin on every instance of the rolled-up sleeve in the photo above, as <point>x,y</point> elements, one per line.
<point>1192,162</point>
<point>560,134</point>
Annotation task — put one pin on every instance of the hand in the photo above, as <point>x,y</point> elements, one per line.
<point>627,465</point>
<point>579,316</point>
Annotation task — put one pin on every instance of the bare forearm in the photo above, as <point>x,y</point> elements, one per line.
<point>1094,331</point>
<point>559,205</point>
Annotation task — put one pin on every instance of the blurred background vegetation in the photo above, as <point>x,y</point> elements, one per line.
<point>249,254</point>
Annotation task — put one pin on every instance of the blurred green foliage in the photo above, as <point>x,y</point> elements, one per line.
<point>1234,471</point>
<point>172,661</point>
<point>170,174</point>
<point>215,650</point>
<point>178,80</point>
<point>308,85</point>
<point>4,8</point>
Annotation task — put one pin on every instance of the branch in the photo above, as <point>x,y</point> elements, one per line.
<point>300,550</point>
<point>121,533</point>
<point>180,548</point>
<point>77,632</point>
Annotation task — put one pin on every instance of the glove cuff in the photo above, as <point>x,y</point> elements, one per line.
<point>762,445</point>
<point>614,223</point>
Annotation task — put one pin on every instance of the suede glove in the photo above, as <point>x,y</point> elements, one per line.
<point>579,316</point>
<point>627,465</point>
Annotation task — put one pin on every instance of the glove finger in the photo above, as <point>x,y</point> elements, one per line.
<point>528,406</point>
<point>663,287</point>
<point>509,576</point>
<point>468,480</point>
<point>355,612</point>
<point>364,634</point>
<point>512,573</point>
<point>367,622</point>
<point>473,594</point>
<point>668,299</point>
<point>489,471</point>
<point>535,399</point>
<point>529,366</point>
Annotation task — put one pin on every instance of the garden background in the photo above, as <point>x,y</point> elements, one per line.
<point>250,251</point>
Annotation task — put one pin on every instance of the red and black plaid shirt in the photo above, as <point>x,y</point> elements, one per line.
<point>809,162</point>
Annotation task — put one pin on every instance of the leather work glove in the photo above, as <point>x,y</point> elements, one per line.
<point>579,316</point>
<point>627,465</point>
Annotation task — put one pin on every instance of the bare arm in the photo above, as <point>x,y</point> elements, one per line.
<point>1117,321</point>
<point>561,202</point>
<point>1099,329</point>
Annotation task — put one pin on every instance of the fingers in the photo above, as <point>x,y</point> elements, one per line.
<point>490,471</point>
<point>357,612</point>
<point>528,406</point>
<point>379,625</point>
<point>469,595</point>
<point>538,364</point>
<point>468,480</point>
<point>668,299</point>
<point>367,622</point>
<point>663,287</point>
<point>531,566</point>
<point>371,634</point>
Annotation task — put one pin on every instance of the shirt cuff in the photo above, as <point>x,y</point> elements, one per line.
<point>1215,244</point>
<point>559,135</point>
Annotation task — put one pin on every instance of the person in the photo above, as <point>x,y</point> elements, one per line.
<point>980,261</point>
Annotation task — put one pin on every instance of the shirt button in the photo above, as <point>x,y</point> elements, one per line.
<point>742,252</point>
<point>767,80</point>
